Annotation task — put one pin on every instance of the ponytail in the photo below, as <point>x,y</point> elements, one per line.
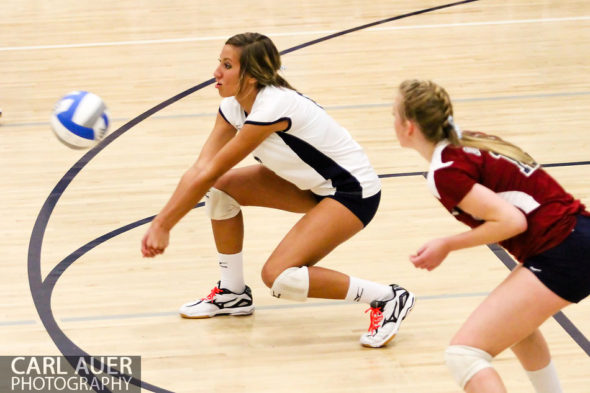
<point>429,105</point>
<point>497,145</point>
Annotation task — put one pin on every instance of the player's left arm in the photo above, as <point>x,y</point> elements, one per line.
<point>502,220</point>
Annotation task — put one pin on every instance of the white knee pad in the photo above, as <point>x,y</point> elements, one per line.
<point>292,284</point>
<point>220,206</point>
<point>464,362</point>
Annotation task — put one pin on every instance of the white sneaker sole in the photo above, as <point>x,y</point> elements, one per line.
<point>240,311</point>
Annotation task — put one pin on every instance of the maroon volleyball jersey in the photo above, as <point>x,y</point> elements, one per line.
<point>550,211</point>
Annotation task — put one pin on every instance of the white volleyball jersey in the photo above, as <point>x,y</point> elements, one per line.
<point>314,152</point>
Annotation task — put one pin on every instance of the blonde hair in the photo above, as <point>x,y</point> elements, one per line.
<point>259,59</point>
<point>429,105</point>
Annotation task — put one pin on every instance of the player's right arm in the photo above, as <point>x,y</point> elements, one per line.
<point>501,221</point>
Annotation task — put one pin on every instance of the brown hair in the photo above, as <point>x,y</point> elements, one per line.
<point>260,59</point>
<point>429,105</point>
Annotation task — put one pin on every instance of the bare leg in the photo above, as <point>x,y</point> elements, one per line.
<point>532,351</point>
<point>255,186</point>
<point>319,232</point>
<point>534,356</point>
<point>229,234</point>
<point>323,228</point>
<point>485,381</point>
<point>509,315</point>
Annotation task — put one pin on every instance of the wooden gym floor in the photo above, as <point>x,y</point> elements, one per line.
<point>73,279</point>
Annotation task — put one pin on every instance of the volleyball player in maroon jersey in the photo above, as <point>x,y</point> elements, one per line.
<point>505,197</point>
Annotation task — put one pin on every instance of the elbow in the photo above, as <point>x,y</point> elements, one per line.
<point>519,223</point>
<point>205,175</point>
<point>197,177</point>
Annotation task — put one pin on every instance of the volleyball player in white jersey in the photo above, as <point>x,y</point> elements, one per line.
<point>307,163</point>
<point>505,197</point>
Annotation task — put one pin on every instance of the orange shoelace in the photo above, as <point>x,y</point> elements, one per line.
<point>376,317</point>
<point>214,292</point>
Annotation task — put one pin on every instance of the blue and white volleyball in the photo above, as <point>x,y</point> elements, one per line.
<point>80,120</point>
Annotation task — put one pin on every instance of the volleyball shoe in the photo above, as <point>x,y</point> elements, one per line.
<point>220,301</point>
<point>386,317</point>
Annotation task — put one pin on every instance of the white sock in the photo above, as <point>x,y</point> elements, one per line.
<point>232,272</point>
<point>363,291</point>
<point>545,380</point>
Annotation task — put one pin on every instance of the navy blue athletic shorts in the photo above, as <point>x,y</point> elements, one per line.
<point>363,208</point>
<point>565,269</point>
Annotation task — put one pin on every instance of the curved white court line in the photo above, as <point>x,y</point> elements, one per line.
<point>292,34</point>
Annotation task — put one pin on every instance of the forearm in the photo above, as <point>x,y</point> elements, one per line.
<point>501,220</point>
<point>488,233</point>
<point>189,191</point>
<point>209,167</point>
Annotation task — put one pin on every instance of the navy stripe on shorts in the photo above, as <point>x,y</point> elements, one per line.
<point>364,208</point>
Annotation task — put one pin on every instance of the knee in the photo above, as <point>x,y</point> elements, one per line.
<point>291,283</point>
<point>225,181</point>
<point>220,206</point>
<point>269,275</point>
<point>464,362</point>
